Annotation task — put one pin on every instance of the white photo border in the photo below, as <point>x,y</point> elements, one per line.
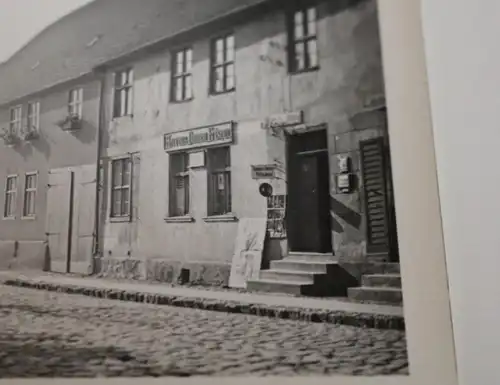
<point>429,329</point>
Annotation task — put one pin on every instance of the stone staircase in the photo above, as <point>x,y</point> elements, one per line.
<point>380,284</point>
<point>311,274</point>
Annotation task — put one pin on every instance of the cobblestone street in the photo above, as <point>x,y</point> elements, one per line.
<point>53,334</point>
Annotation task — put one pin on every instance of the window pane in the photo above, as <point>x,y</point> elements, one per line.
<point>124,78</point>
<point>125,201</point>
<point>178,89</point>
<point>117,173</point>
<point>186,195</point>
<point>299,18</point>
<point>218,79</point>
<point>116,202</point>
<point>230,77</point>
<point>189,60</point>
<point>188,91</point>
<point>30,181</point>
<point>299,32</point>
<point>219,51</point>
<point>123,102</point>
<point>126,172</point>
<point>179,62</point>
<point>311,14</point>
<point>299,56</point>
<point>230,48</point>
<point>312,53</point>
<point>11,183</point>
<point>129,101</point>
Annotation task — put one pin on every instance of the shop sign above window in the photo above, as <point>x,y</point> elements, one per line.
<point>199,137</point>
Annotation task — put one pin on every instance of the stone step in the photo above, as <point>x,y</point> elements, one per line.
<point>381,268</point>
<point>386,295</point>
<point>287,275</point>
<point>279,286</point>
<point>303,266</point>
<point>311,257</point>
<point>381,280</point>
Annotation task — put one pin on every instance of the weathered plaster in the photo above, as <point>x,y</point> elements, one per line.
<point>349,79</point>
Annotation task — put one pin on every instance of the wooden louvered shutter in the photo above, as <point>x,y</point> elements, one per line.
<point>375,182</point>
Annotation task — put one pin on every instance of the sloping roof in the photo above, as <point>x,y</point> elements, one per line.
<point>98,32</point>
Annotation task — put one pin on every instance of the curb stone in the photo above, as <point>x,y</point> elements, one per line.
<point>362,320</point>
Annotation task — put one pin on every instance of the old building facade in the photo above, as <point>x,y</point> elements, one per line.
<point>187,112</point>
<point>47,174</point>
<point>297,86</point>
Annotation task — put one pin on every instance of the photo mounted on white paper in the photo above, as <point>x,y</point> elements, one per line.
<point>212,179</point>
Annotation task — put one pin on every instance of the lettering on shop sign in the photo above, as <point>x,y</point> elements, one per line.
<point>263,171</point>
<point>199,137</point>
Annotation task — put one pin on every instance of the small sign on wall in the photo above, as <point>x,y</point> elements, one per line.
<point>344,183</point>
<point>197,159</point>
<point>263,171</point>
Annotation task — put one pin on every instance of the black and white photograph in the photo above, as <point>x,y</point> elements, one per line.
<point>197,188</point>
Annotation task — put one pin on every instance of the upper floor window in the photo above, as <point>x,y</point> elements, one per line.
<point>10,196</point>
<point>75,102</point>
<point>16,114</point>
<point>182,75</point>
<point>33,116</point>
<point>123,93</point>
<point>30,188</point>
<point>121,190</point>
<point>222,58</point>
<point>303,41</point>
<point>179,185</point>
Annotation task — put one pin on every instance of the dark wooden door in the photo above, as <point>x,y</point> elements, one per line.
<point>308,189</point>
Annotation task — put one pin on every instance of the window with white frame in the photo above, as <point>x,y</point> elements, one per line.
<point>30,188</point>
<point>123,95</point>
<point>219,181</point>
<point>10,196</point>
<point>179,185</point>
<point>121,187</point>
<point>16,114</point>
<point>33,118</point>
<point>223,52</point>
<point>182,64</point>
<point>75,103</point>
<point>303,40</point>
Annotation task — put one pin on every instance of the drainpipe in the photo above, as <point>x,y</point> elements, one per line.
<point>96,252</point>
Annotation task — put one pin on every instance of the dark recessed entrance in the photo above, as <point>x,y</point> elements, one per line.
<point>308,175</point>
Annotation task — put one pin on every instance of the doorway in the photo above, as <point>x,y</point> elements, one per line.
<point>308,175</point>
<point>70,219</point>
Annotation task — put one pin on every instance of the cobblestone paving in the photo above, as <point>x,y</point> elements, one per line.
<point>53,334</point>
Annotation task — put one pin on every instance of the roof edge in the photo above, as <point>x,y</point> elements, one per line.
<point>163,39</point>
<point>101,66</point>
<point>50,87</point>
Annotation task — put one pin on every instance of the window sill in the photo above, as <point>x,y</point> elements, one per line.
<point>9,218</point>
<point>119,219</point>
<point>183,219</point>
<point>221,218</point>
<point>306,70</point>
<point>173,101</point>
<point>217,93</point>
<point>28,218</point>
<point>118,118</point>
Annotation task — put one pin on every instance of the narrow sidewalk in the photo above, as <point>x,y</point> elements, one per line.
<point>329,310</point>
